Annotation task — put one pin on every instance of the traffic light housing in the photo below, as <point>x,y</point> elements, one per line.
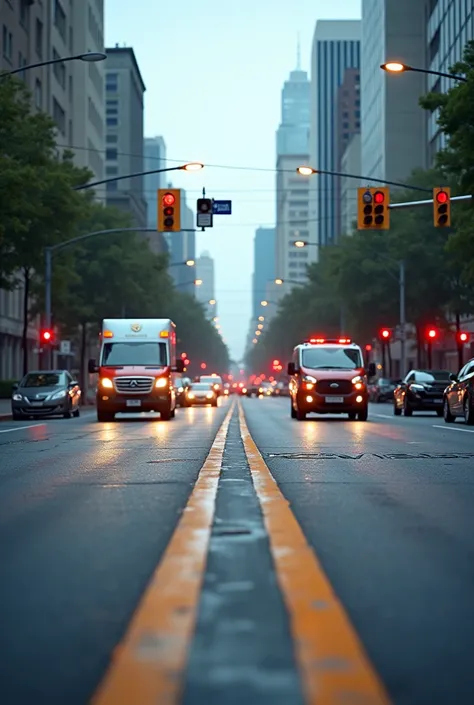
<point>442,207</point>
<point>373,212</point>
<point>169,210</point>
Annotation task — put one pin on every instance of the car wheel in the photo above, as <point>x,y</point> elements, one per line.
<point>439,412</point>
<point>76,413</point>
<point>172,413</point>
<point>292,410</point>
<point>352,415</point>
<point>363,414</point>
<point>396,410</point>
<point>468,411</point>
<point>104,416</point>
<point>67,415</point>
<point>165,414</point>
<point>447,415</point>
<point>407,410</point>
<point>16,417</point>
<point>300,415</point>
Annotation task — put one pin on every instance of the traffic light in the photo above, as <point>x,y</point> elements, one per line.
<point>432,334</point>
<point>385,334</point>
<point>46,337</point>
<point>373,208</point>
<point>442,207</point>
<point>462,337</point>
<point>204,211</point>
<point>169,210</point>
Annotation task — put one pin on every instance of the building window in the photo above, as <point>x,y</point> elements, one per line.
<point>7,44</point>
<point>111,82</point>
<point>60,19</point>
<point>111,103</point>
<point>112,186</point>
<point>24,12</point>
<point>39,38</point>
<point>111,154</point>
<point>21,62</point>
<point>112,111</point>
<point>111,171</point>
<point>59,70</point>
<point>112,139</point>
<point>112,121</point>
<point>59,116</point>
<point>38,94</point>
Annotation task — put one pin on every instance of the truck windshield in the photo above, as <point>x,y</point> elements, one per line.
<point>136,353</point>
<point>325,358</point>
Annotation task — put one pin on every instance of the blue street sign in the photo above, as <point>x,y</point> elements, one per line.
<point>222,207</point>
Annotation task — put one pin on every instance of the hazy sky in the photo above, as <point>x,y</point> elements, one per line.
<point>214,72</point>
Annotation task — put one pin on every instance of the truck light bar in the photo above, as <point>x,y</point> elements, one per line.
<point>108,334</point>
<point>337,341</point>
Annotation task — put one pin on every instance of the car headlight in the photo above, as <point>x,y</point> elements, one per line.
<point>209,395</point>
<point>310,379</point>
<point>190,395</point>
<point>59,395</point>
<point>161,383</point>
<point>180,389</point>
<point>17,397</point>
<point>357,379</point>
<point>106,383</point>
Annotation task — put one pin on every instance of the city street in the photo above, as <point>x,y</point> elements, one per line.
<point>110,593</point>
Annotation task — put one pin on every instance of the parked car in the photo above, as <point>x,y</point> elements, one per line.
<point>421,390</point>
<point>458,399</point>
<point>46,393</point>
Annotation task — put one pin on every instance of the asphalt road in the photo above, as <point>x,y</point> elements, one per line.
<point>87,512</point>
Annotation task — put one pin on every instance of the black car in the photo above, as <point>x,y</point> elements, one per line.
<point>48,393</point>
<point>459,396</point>
<point>421,390</point>
<point>382,390</point>
<point>181,384</point>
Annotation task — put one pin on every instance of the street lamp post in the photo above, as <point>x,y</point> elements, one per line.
<point>191,166</point>
<point>88,57</point>
<point>399,67</point>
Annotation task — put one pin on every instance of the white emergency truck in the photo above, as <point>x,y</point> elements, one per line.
<point>136,361</point>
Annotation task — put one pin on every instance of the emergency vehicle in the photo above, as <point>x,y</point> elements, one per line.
<point>136,362</point>
<point>328,376</point>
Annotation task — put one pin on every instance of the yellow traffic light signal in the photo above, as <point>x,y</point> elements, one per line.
<point>169,210</point>
<point>373,211</point>
<point>442,207</point>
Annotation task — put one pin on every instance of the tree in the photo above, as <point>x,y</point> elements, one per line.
<point>456,120</point>
<point>38,205</point>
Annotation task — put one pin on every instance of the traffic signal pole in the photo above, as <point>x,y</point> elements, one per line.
<point>403,349</point>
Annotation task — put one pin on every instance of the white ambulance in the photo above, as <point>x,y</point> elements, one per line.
<point>135,366</point>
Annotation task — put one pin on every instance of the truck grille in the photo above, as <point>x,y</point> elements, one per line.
<point>134,385</point>
<point>344,386</point>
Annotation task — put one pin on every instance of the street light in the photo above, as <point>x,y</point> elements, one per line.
<point>305,170</point>
<point>212,302</point>
<point>304,243</point>
<point>191,166</point>
<point>89,57</point>
<point>187,263</point>
<point>399,67</point>
<point>278,281</point>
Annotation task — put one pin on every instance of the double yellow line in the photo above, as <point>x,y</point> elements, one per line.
<point>148,667</point>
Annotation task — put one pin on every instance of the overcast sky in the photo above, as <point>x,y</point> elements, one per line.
<point>214,72</point>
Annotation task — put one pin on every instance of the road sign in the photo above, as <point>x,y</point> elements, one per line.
<point>222,207</point>
<point>204,220</point>
<point>65,347</point>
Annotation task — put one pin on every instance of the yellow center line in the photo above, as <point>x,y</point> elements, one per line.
<point>333,665</point>
<point>148,665</point>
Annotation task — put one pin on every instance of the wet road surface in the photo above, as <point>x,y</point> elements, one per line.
<point>158,562</point>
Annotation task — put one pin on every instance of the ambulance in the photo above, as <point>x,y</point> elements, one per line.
<point>136,361</point>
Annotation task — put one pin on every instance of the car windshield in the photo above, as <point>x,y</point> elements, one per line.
<point>136,353</point>
<point>432,376</point>
<point>211,380</point>
<point>201,387</point>
<point>326,358</point>
<point>44,379</point>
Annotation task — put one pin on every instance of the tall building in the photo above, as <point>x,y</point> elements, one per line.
<point>347,126</point>
<point>124,122</point>
<point>450,25</point>
<point>336,47</point>
<point>393,124</point>
<point>71,92</point>
<point>206,292</point>
<point>155,158</point>
<point>182,247</point>
<point>263,266</point>
<point>350,164</point>
<point>292,192</point>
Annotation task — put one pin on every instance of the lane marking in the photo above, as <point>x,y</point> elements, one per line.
<point>383,416</point>
<point>450,428</point>
<point>21,428</point>
<point>332,662</point>
<point>148,665</point>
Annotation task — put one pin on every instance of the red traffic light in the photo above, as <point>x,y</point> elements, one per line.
<point>169,199</point>
<point>203,365</point>
<point>46,336</point>
<point>432,333</point>
<point>463,337</point>
<point>183,355</point>
<point>379,197</point>
<point>385,333</point>
<point>276,362</point>
<point>368,347</point>
<point>187,361</point>
<point>442,197</point>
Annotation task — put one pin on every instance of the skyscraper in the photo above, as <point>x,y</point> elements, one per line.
<point>263,266</point>
<point>154,158</point>
<point>182,247</point>
<point>206,292</point>
<point>393,124</point>
<point>336,47</point>
<point>124,119</point>
<point>292,190</point>
<point>348,149</point>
